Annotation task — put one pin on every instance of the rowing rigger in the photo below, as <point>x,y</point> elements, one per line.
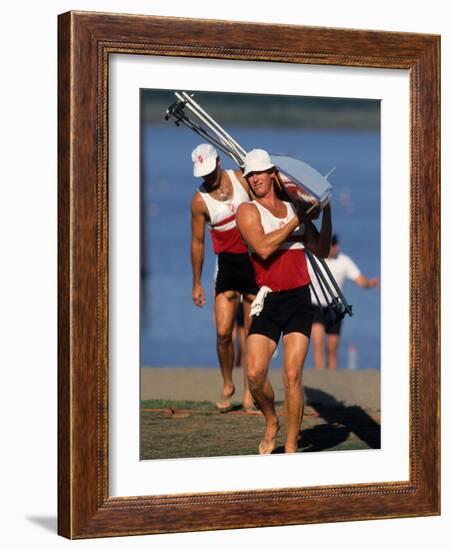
<point>318,187</point>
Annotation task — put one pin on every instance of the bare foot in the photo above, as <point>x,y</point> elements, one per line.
<point>248,405</point>
<point>289,449</point>
<point>225,401</point>
<point>267,445</point>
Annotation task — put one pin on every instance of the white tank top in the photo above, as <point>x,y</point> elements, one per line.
<point>219,211</point>
<point>271,222</point>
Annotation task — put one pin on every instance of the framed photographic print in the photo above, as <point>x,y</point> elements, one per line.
<point>337,135</point>
<point>144,446</point>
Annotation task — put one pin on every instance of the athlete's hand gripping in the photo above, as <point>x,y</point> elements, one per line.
<point>307,211</point>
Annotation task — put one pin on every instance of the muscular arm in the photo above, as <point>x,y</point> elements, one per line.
<point>320,243</point>
<point>198,220</point>
<point>250,227</point>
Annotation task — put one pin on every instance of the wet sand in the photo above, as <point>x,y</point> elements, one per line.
<point>351,388</point>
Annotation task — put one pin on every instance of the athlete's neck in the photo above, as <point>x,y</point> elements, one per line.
<point>216,183</point>
<point>269,200</point>
<point>273,204</point>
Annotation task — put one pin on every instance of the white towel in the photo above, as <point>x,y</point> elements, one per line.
<point>258,304</point>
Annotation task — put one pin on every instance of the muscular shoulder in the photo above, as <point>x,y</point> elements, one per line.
<point>247,208</point>
<point>246,211</point>
<point>198,206</point>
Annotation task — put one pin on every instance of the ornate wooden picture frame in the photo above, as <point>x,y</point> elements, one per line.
<point>86,40</point>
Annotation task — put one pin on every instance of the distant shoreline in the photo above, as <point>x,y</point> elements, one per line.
<point>258,110</point>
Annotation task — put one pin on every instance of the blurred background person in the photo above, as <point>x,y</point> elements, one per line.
<point>325,333</point>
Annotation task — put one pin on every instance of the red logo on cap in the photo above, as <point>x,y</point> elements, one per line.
<point>200,159</point>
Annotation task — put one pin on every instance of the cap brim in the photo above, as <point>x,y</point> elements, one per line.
<point>202,169</point>
<point>256,168</point>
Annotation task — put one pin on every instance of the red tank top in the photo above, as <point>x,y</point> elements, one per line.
<point>286,268</point>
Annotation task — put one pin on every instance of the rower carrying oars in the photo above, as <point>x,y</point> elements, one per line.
<point>310,188</point>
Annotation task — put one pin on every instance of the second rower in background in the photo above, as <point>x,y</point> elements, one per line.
<point>215,204</point>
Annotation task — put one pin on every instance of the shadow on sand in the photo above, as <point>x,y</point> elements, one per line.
<point>341,421</point>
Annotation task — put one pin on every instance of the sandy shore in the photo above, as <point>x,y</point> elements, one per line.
<point>358,388</point>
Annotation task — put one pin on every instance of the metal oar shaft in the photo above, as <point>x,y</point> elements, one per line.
<point>189,99</point>
<point>176,111</point>
<point>323,283</point>
<point>224,140</point>
<point>339,292</point>
<point>205,135</point>
<point>316,296</point>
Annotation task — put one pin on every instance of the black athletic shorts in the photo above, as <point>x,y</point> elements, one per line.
<point>323,315</point>
<point>235,272</point>
<point>284,311</point>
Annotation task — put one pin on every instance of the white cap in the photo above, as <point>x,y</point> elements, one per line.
<point>257,160</point>
<point>204,158</point>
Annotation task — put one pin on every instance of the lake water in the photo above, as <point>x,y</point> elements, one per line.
<point>176,333</point>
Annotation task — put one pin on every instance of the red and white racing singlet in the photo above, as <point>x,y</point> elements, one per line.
<point>223,229</point>
<point>286,268</point>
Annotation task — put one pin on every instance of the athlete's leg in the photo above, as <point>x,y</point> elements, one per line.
<point>225,307</point>
<point>236,341</point>
<point>247,397</point>
<point>260,349</point>
<point>318,342</point>
<point>295,350</point>
<point>332,347</point>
